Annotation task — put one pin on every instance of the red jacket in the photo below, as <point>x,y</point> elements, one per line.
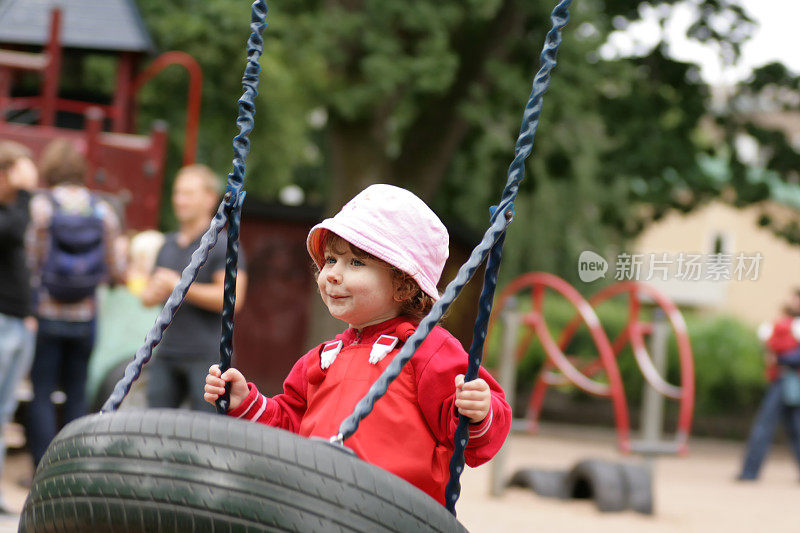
<point>780,338</point>
<point>410,430</point>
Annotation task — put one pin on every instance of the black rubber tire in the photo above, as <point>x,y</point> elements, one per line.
<point>603,481</point>
<point>178,471</point>
<point>639,487</point>
<point>547,483</point>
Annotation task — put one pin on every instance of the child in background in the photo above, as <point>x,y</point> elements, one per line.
<point>379,261</point>
<point>142,252</point>
<point>782,399</point>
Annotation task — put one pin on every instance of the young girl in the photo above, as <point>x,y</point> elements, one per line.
<point>379,261</point>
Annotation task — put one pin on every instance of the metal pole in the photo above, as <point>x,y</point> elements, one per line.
<point>652,416</point>
<point>508,381</point>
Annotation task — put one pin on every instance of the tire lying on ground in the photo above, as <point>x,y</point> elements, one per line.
<point>613,486</point>
<point>548,483</point>
<point>639,484</point>
<point>178,471</point>
<point>602,481</point>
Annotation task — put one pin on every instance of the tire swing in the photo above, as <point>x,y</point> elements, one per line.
<point>178,471</point>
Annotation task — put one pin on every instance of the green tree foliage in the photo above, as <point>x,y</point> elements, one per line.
<point>214,33</point>
<point>770,92</point>
<point>428,94</point>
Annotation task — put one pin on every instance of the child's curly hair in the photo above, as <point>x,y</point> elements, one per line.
<point>415,302</point>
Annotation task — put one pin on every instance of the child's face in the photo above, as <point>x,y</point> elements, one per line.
<point>359,291</point>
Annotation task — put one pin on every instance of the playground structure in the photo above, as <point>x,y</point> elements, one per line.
<point>128,166</point>
<point>614,487</point>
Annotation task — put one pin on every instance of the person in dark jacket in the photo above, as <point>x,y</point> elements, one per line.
<point>18,177</point>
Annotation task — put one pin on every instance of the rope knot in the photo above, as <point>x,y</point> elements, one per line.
<point>509,212</point>
<point>234,198</point>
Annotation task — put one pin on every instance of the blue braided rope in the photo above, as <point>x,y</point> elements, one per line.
<point>500,219</point>
<point>533,109</point>
<point>516,173</point>
<point>229,211</point>
<point>247,104</point>
<point>461,438</point>
<point>229,299</point>
<point>234,195</point>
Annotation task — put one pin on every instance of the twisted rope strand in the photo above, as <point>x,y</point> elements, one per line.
<point>247,106</point>
<point>235,195</point>
<point>516,173</point>
<point>533,109</point>
<point>228,211</point>
<point>461,437</point>
<point>229,300</point>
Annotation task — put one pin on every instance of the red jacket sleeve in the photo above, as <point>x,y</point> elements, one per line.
<point>285,410</point>
<point>436,364</point>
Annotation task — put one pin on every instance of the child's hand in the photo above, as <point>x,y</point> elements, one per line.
<point>215,386</point>
<point>473,399</point>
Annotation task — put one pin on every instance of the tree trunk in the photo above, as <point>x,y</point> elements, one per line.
<point>357,157</point>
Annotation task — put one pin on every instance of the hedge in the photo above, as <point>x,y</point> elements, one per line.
<point>728,357</point>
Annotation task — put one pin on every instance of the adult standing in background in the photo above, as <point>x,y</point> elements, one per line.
<point>191,343</point>
<point>782,399</point>
<point>72,235</point>
<point>18,177</point>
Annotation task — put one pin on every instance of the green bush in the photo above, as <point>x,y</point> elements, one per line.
<point>728,357</point>
<point>729,367</point>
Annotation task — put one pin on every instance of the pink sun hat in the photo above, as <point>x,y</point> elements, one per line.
<point>395,226</point>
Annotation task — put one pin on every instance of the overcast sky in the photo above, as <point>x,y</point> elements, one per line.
<point>775,39</point>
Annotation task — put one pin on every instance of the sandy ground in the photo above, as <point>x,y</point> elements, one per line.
<point>693,493</point>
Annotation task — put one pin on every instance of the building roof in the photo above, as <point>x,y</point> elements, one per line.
<point>106,25</point>
<point>784,193</point>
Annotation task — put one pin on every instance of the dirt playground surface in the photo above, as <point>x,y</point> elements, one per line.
<point>693,493</point>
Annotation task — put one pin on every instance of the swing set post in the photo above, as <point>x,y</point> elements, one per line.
<point>507,378</point>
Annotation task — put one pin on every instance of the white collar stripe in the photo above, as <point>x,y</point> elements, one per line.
<point>329,353</point>
<point>382,347</point>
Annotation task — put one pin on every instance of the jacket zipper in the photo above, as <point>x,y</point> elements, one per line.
<point>357,339</point>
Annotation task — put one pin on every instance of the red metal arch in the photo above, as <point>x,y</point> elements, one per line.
<point>193,99</point>
<point>537,282</point>
<point>559,369</point>
<point>634,334</point>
